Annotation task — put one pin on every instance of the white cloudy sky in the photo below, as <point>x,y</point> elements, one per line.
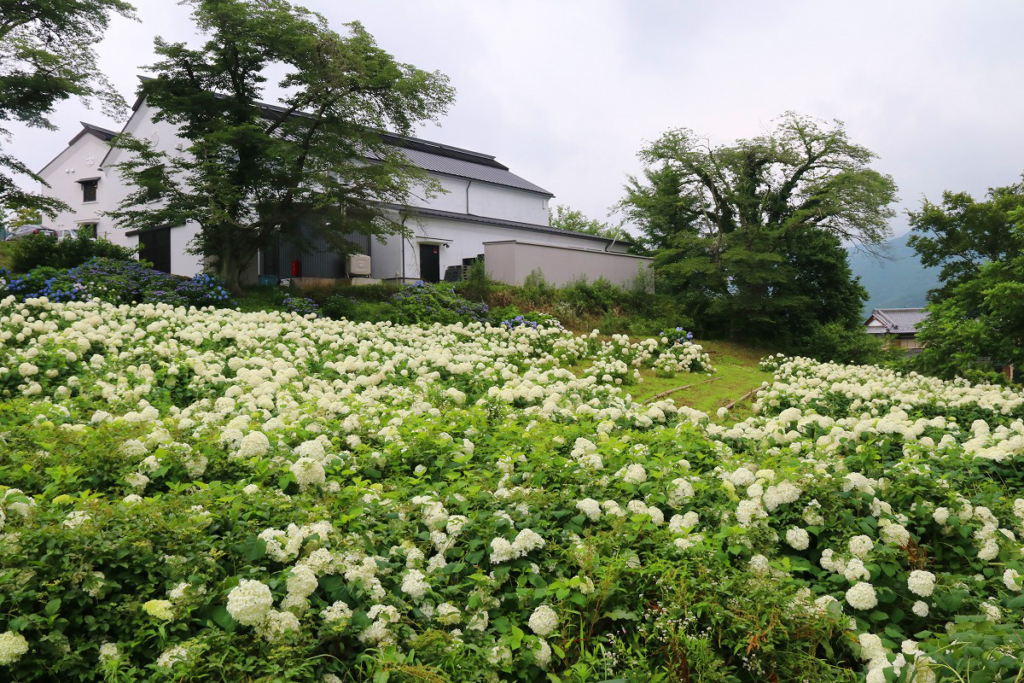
<point>565,92</point>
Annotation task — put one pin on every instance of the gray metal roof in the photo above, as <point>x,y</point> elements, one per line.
<point>462,165</point>
<point>472,218</point>
<point>445,159</point>
<point>430,156</point>
<point>899,320</point>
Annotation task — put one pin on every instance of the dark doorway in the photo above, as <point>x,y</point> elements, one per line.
<point>155,247</point>
<point>430,262</point>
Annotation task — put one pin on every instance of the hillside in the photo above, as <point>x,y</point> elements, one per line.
<point>899,281</point>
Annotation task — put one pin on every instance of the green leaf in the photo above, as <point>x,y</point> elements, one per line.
<point>620,614</point>
<point>220,616</point>
<point>517,638</point>
<point>51,607</point>
<point>254,548</point>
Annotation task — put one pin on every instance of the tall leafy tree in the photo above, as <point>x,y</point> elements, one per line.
<point>976,317</point>
<point>961,234</point>
<point>252,171</point>
<point>47,55</point>
<point>565,218</point>
<point>742,231</point>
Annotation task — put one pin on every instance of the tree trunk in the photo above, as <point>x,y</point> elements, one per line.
<point>230,272</point>
<point>232,266</point>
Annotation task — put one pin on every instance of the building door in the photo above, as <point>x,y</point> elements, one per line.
<point>155,247</point>
<point>430,262</point>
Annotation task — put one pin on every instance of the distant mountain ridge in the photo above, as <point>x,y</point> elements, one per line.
<point>898,281</point>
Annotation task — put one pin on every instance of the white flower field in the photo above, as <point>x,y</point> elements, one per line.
<point>214,495</point>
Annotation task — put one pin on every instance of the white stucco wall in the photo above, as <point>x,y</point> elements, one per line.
<point>484,199</point>
<point>78,161</point>
<point>164,137</point>
<point>182,262</point>
<point>452,199</point>
<point>463,240</point>
<point>506,203</point>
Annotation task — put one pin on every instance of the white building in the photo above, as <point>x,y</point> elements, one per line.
<point>484,202</point>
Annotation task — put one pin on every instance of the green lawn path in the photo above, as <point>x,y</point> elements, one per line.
<point>736,372</point>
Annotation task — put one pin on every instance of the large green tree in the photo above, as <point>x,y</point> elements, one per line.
<point>750,235</point>
<point>47,55</point>
<point>565,218</point>
<point>251,171</point>
<point>976,316</point>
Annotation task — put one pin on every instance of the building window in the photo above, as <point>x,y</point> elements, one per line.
<point>90,229</point>
<point>89,190</point>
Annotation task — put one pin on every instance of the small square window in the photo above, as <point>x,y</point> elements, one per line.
<point>89,190</point>
<point>90,229</point>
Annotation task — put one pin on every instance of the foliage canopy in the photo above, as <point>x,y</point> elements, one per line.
<point>47,55</point>
<point>976,316</point>
<point>252,170</point>
<point>751,234</point>
<point>565,218</point>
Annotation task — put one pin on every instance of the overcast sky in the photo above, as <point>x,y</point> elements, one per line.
<point>565,92</point>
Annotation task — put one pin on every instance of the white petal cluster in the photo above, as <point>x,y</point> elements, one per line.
<point>862,596</point>
<point>921,583</point>
<point>543,621</point>
<point>12,647</point>
<point>798,538</point>
<point>249,602</point>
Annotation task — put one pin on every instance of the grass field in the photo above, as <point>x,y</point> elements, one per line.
<point>736,373</point>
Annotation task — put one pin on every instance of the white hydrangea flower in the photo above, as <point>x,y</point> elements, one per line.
<point>921,583</point>
<point>543,621</point>
<point>12,647</point>
<point>414,584</point>
<point>798,538</point>
<point>1012,580</point>
<point>338,612</point>
<point>249,602</point>
<point>590,507</point>
<point>253,444</point>
<point>302,582</point>
<point>862,596</point>
<point>635,474</point>
<point>109,652</point>
<point>277,626</point>
<point>308,472</point>
<point>542,654</point>
<point>861,546</point>
<point>172,656</point>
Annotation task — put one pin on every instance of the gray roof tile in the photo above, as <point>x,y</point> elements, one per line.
<point>900,320</point>
<point>473,171</point>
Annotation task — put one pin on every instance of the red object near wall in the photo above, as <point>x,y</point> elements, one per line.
<point>296,268</point>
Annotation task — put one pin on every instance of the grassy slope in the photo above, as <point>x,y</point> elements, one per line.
<point>736,372</point>
<point>5,255</point>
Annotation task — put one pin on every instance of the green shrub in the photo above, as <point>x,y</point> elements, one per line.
<point>342,306</point>
<point>834,342</point>
<point>119,282</point>
<point>421,302</point>
<point>35,251</point>
<point>477,284</point>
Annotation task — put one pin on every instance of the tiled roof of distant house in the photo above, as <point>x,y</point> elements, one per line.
<point>897,320</point>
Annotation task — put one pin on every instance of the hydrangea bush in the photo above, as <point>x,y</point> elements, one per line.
<point>209,494</point>
<point>421,302</point>
<point>119,281</point>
